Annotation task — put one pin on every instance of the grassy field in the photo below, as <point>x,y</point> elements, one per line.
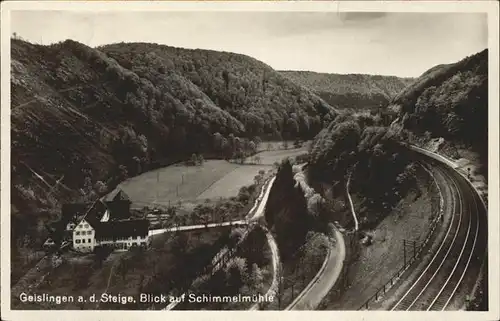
<point>176,182</point>
<point>270,157</point>
<point>230,184</point>
<point>194,184</point>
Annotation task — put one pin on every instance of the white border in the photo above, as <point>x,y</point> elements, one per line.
<point>489,7</point>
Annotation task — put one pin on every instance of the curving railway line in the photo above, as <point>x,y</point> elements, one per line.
<point>454,267</point>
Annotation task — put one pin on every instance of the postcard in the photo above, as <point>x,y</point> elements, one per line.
<point>329,158</point>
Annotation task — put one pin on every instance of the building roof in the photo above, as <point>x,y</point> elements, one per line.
<point>116,195</point>
<point>124,228</point>
<point>94,213</point>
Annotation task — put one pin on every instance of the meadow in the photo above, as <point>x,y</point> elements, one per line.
<point>194,184</point>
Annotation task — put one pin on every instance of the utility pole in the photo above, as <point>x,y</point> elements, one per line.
<point>414,248</point>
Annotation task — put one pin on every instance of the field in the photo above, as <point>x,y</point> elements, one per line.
<point>230,184</point>
<point>176,182</point>
<point>270,157</point>
<point>194,184</point>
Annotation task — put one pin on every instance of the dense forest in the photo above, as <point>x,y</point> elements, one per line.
<point>88,118</point>
<point>353,91</point>
<point>362,146</point>
<point>449,101</point>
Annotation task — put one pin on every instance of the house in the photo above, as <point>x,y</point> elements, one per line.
<point>118,203</point>
<point>104,224</point>
<point>85,230</point>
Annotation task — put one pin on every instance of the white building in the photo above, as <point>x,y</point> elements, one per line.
<point>99,226</point>
<point>84,237</point>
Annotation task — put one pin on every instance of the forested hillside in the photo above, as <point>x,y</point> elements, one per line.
<point>449,101</point>
<point>92,117</point>
<point>353,91</point>
<point>363,145</point>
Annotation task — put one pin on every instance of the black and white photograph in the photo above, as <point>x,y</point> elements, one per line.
<point>228,157</point>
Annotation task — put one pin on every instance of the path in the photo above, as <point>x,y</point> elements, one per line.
<point>196,227</point>
<point>254,214</point>
<point>273,289</point>
<point>325,279</point>
<point>353,212</point>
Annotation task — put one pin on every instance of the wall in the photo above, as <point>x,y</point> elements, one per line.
<point>84,237</point>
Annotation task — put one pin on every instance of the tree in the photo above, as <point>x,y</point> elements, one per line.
<point>123,172</point>
<point>87,185</point>
<point>292,127</point>
<point>194,159</point>
<point>100,187</point>
<point>101,253</point>
<point>236,273</point>
<point>257,140</point>
<point>201,160</point>
<point>217,141</point>
<point>314,205</point>
<point>257,277</point>
<point>179,244</point>
<point>122,267</point>
<point>225,76</point>
<point>137,161</point>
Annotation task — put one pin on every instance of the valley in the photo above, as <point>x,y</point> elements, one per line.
<point>242,174</point>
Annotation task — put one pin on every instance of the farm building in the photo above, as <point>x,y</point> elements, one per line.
<point>107,222</point>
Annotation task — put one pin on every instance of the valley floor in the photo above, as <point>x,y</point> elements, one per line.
<point>192,185</point>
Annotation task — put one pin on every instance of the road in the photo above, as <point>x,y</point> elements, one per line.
<point>326,277</point>
<point>324,280</point>
<point>196,227</point>
<point>253,215</point>
<point>273,289</point>
<point>450,272</point>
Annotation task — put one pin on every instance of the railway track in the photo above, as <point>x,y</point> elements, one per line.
<point>442,278</point>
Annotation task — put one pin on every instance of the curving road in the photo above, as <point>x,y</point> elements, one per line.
<point>256,212</point>
<point>451,271</point>
<point>325,279</point>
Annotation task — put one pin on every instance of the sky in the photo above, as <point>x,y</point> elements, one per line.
<point>400,44</point>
